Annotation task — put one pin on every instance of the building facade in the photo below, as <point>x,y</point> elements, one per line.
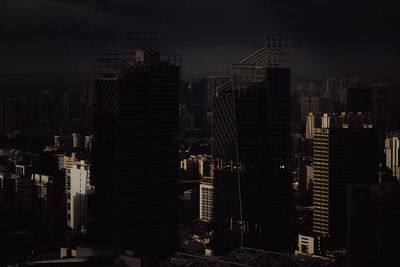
<point>206,199</point>
<point>79,191</point>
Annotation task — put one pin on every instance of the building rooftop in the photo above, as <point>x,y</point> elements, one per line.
<point>207,180</point>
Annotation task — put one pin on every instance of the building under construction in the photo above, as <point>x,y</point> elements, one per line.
<point>136,101</point>
<point>251,148</point>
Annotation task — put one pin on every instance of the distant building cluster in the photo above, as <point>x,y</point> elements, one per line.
<point>31,200</point>
<point>197,165</point>
<point>348,157</point>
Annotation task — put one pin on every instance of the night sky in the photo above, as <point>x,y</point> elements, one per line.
<point>341,38</point>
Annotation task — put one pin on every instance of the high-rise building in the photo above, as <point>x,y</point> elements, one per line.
<point>205,166</point>
<point>342,157</point>
<point>315,105</point>
<point>80,188</point>
<point>49,204</point>
<point>7,200</point>
<point>310,125</point>
<point>392,146</point>
<point>65,163</point>
<point>24,194</point>
<point>33,202</point>
<point>372,224</point>
<point>206,199</point>
<point>135,160</point>
<point>251,147</point>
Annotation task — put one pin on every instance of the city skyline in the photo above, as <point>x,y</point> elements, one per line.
<point>196,133</point>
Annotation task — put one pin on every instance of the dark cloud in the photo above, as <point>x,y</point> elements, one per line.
<point>331,38</point>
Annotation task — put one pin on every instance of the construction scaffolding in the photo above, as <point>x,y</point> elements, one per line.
<point>152,47</point>
<point>248,257</point>
<point>109,64</point>
<point>139,46</point>
<point>274,54</point>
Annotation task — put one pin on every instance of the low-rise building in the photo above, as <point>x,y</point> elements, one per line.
<point>305,245</point>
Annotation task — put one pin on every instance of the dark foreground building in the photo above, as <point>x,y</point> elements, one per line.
<point>135,156</point>
<point>251,147</point>
<point>372,224</point>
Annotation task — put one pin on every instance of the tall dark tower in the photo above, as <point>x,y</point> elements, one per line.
<point>251,148</point>
<point>135,156</point>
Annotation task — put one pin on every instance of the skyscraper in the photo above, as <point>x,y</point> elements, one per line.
<point>342,157</point>
<point>136,119</point>
<point>251,146</point>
